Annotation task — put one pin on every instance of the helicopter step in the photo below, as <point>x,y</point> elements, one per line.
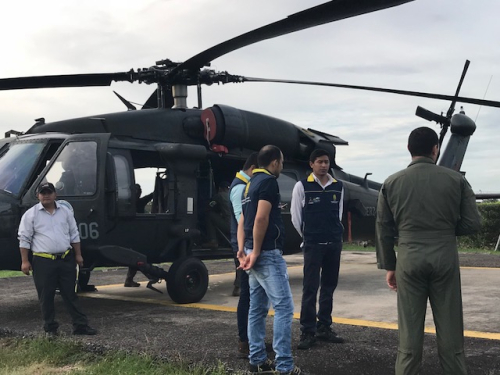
<point>187,277</point>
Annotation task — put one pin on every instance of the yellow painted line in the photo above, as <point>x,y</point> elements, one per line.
<point>481,268</point>
<point>337,320</point>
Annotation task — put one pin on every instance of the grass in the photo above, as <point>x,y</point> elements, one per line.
<point>60,356</point>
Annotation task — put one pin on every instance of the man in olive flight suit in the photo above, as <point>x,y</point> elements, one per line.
<point>426,207</point>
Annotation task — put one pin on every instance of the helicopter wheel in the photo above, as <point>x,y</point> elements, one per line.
<point>187,280</point>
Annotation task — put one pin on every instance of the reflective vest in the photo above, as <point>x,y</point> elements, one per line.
<point>320,214</point>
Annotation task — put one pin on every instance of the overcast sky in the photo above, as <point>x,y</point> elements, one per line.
<point>419,46</point>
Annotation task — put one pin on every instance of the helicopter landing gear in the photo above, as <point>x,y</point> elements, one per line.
<point>187,280</point>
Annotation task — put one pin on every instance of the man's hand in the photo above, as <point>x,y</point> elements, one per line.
<point>26,267</point>
<point>241,258</point>
<point>79,259</point>
<point>390,277</point>
<point>249,261</point>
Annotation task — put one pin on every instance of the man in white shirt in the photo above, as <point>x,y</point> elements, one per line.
<point>49,231</point>
<point>316,210</point>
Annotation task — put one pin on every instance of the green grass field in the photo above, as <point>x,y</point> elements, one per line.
<point>21,356</point>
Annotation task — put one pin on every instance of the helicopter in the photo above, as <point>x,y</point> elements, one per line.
<point>94,161</point>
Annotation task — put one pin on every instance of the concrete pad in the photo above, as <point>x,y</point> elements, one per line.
<point>362,296</point>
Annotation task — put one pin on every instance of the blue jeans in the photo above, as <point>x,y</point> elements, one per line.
<point>268,280</point>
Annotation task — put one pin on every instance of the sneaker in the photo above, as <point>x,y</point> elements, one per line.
<point>264,368</point>
<point>243,349</point>
<point>325,333</point>
<point>296,371</point>
<point>307,340</point>
<point>131,284</point>
<point>85,330</point>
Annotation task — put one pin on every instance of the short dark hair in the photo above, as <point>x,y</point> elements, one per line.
<point>317,154</point>
<point>251,160</point>
<point>421,141</point>
<point>267,155</point>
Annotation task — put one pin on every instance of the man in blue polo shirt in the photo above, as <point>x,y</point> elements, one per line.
<point>316,211</point>
<point>260,244</point>
<point>241,286</point>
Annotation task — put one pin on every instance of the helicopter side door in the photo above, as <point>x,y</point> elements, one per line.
<point>77,170</point>
<point>142,227</point>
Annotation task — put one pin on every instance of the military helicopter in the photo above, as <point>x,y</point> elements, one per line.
<point>94,161</point>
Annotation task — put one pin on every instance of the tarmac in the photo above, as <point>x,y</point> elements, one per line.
<point>362,297</point>
<point>364,313</point>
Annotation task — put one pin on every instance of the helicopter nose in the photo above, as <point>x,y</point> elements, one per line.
<point>10,216</point>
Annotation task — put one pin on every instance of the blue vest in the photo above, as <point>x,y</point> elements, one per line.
<point>238,180</point>
<point>320,214</point>
<point>274,237</point>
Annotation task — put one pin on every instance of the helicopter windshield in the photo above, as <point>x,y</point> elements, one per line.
<point>16,164</point>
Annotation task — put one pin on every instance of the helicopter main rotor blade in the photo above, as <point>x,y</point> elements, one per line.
<point>452,105</point>
<point>70,80</point>
<point>332,11</point>
<point>461,99</point>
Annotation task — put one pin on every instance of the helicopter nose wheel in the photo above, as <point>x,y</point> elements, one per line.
<point>187,280</point>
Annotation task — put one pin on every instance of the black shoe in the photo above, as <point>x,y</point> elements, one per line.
<point>307,340</point>
<point>131,284</point>
<point>296,371</point>
<point>325,333</point>
<point>243,349</point>
<point>264,368</point>
<point>86,330</point>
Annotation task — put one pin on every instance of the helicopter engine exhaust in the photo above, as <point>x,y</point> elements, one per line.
<point>231,127</point>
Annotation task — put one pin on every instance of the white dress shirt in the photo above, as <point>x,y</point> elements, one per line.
<point>43,232</point>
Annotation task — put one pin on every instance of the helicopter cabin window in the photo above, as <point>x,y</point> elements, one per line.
<point>16,165</point>
<point>122,178</point>
<point>145,188</point>
<point>286,183</point>
<point>74,172</point>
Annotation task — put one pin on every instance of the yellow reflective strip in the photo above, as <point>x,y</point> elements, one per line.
<point>45,255</point>
<point>65,253</point>
<point>241,177</point>
<point>246,189</point>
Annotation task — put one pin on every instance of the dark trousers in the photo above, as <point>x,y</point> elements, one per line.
<point>321,267</point>
<point>243,307</point>
<point>50,274</point>
<point>132,271</point>
<point>241,280</point>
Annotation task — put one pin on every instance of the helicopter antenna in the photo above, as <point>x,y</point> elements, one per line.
<point>484,96</point>
<point>129,105</point>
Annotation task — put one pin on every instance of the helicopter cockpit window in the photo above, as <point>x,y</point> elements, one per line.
<point>16,165</point>
<point>75,170</point>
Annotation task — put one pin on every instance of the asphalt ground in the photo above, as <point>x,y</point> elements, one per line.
<point>207,335</point>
